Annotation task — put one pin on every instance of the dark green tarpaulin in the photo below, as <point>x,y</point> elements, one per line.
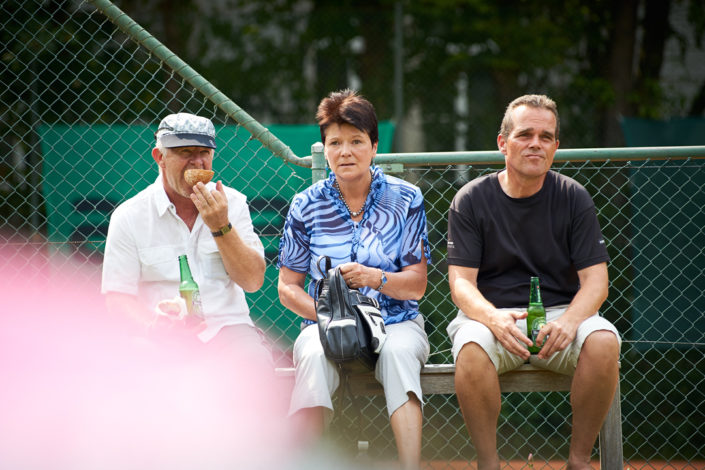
<point>88,170</point>
<point>668,244</point>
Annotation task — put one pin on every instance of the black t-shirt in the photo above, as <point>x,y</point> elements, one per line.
<point>552,235</point>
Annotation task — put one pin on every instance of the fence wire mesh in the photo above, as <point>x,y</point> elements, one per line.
<point>80,105</point>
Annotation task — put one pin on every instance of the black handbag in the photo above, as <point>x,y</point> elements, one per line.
<point>350,324</point>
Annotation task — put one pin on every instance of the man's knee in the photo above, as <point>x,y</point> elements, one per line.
<point>601,345</point>
<point>471,360</point>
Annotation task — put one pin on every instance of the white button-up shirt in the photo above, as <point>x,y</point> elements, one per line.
<point>145,239</point>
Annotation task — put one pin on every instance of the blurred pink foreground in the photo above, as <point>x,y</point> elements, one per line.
<point>78,392</point>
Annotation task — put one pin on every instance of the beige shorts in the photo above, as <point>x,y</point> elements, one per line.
<point>463,330</point>
<point>398,368</point>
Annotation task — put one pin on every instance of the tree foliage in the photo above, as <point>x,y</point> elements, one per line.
<point>277,58</point>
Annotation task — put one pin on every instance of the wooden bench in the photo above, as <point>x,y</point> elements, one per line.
<point>439,379</point>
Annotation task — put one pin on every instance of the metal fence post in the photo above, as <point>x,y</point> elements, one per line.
<point>318,162</point>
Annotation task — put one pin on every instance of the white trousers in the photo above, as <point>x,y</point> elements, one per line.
<point>463,330</point>
<point>398,369</point>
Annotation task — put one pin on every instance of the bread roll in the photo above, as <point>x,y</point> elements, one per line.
<point>194,176</point>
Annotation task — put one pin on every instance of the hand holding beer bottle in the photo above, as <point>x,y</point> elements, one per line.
<point>536,317</point>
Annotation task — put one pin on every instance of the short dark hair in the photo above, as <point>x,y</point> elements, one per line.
<point>533,101</point>
<point>347,107</point>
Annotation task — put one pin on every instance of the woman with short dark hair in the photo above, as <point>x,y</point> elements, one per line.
<point>373,227</point>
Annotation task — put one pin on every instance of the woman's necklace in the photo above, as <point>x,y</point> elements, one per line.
<point>342,198</point>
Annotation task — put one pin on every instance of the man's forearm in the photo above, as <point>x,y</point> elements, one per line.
<point>594,287</point>
<point>468,298</point>
<point>243,264</point>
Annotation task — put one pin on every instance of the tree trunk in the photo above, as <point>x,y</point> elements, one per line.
<point>656,31</point>
<point>697,108</point>
<point>619,72</point>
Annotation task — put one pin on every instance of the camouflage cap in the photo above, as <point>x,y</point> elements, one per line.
<point>186,130</point>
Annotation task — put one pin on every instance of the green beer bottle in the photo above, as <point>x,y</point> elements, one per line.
<point>536,317</point>
<point>188,289</point>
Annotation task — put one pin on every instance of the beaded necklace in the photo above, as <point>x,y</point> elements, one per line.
<point>342,198</point>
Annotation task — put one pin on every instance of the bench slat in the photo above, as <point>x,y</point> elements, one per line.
<point>440,379</point>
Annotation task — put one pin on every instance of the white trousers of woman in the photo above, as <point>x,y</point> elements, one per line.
<point>398,369</point>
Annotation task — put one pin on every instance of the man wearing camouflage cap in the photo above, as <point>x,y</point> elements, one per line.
<point>210,223</point>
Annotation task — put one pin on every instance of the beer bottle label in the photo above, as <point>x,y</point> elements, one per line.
<point>536,325</point>
<point>196,307</point>
<point>193,302</point>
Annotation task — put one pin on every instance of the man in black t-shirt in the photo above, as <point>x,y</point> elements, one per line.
<point>503,228</point>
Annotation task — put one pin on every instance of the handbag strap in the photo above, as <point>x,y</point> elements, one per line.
<point>360,298</point>
<point>324,276</point>
<point>344,389</point>
<point>323,272</point>
<point>340,294</point>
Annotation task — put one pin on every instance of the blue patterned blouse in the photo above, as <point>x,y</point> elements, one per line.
<point>390,235</point>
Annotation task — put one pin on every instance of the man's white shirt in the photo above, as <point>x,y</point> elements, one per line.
<point>145,239</point>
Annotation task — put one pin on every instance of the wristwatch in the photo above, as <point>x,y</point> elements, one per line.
<point>382,282</point>
<point>223,230</point>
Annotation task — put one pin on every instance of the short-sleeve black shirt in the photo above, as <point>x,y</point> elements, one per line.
<point>551,234</point>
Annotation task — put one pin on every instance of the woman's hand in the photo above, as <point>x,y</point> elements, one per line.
<point>407,284</point>
<point>357,275</point>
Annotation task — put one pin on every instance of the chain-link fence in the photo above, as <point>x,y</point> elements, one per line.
<point>651,213</point>
<point>80,104</point>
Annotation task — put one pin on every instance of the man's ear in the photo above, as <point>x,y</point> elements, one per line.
<point>157,156</point>
<point>501,144</point>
